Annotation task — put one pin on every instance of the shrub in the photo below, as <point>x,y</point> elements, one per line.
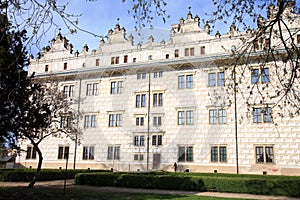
<point>254,184</point>
<point>25,175</point>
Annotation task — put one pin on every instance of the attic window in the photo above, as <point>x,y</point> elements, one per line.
<point>189,51</point>
<point>65,66</point>
<point>117,60</point>
<point>46,68</point>
<point>202,50</point>
<point>97,62</point>
<point>267,43</point>
<point>125,58</point>
<point>176,53</point>
<point>298,39</point>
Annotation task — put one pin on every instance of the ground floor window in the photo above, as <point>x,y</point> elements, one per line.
<point>31,152</point>
<point>88,153</point>
<point>113,153</point>
<point>218,153</point>
<point>185,154</point>
<point>137,157</point>
<point>63,152</point>
<point>264,154</point>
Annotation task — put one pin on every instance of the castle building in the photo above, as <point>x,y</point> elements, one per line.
<point>145,107</point>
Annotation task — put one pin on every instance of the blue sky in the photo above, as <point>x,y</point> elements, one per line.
<point>100,16</point>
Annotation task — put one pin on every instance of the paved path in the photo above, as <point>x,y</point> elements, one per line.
<point>69,184</point>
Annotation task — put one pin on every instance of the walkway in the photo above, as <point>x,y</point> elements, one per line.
<point>69,184</point>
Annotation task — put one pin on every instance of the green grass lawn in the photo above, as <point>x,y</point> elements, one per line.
<point>9,193</point>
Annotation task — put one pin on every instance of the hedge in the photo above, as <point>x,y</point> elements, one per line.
<point>252,184</point>
<point>25,175</point>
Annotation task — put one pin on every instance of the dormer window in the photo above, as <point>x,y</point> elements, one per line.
<point>115,60</point>
<point>65,66</point>
<point>202,50</point>
<point>176,53</point>
<point>189,51</point>
<point>125,58</point>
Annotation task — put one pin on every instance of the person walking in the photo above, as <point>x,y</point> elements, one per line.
<point>175,167</point>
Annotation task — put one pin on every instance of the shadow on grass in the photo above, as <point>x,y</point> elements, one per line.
<point>14,193</point>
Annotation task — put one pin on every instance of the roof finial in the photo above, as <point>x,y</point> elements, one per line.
<point>118,19</point>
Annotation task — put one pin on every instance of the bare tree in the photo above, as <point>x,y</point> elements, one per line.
<point>46,113</point>
<point>273,46</point>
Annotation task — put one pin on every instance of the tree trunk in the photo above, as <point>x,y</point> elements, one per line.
<point>38,170</point>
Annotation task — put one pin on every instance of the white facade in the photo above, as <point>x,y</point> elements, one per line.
<point>191,121</point>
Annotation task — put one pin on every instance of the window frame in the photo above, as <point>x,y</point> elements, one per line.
<point>185,153</point>
<point>218,154</point>
<point>264,154</point>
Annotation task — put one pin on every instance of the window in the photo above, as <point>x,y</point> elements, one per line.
<point>139,121</point>
<point>125,58</point>
<point>212,79</point>
<point>140,100</point>
<point>265,75</point>
<point>157,99</point>
<point>139,140</point>
<point>115,120</point>
<point>31,153</point>
<point>257,77</point>
<point>63,152</point>
<point>254,76</point>
<point>113,153</point>
<point>65,66</point>
<point>141,76</point>
<point>157,121</point>
<point>116,87</point>
<point>46,68</point>
<point>138,157</point>
<point>89,121</point>
<point>150,57</point>
<point>264,154</point>
<point>167,56</point>
<point>92,89</point>
<point>267,43</point>
<point>114,60</point>
<point>176,53</point>
<point>89,90</point>
<point>66,122</point>
<point>97,62</point>
<point>218,154</point>
<point>88,153</point>
<point>189,51</point>
<point>222,116</point>
<point>255,44</point>
<point>156,140</point>
<point>262,115</point>
<point>202,50</point>
<point>69,90</point>
<point>221,79</point>
<point>134,60</point>
<point>217,116</point>
<point>185,81</point>
<point>185,154</point>
<point>185,117</point>
<point>298,39</point>
<point>158,74</point>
